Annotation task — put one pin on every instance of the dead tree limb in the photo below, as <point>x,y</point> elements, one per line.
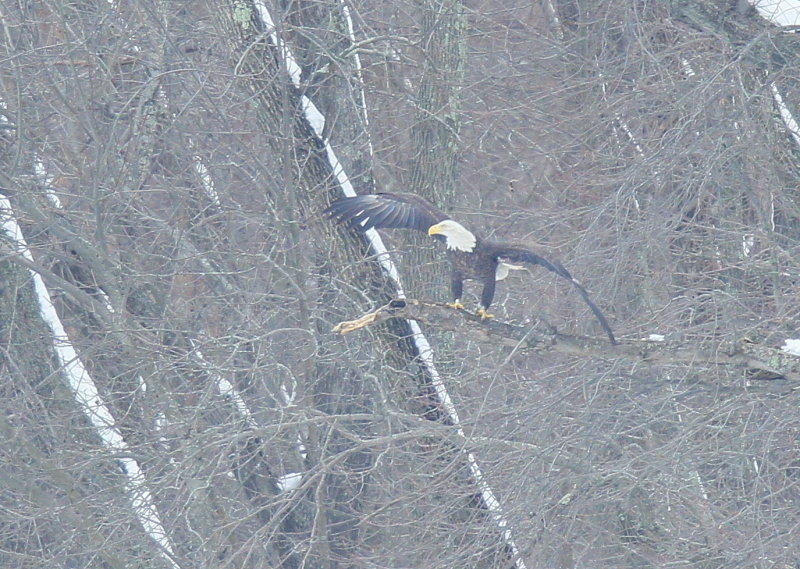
<point>542,337</point>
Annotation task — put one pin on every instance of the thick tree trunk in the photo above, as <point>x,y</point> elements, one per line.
<point>435,134</point>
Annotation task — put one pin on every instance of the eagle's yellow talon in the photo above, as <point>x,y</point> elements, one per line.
<point>483,314</point>
<point>456,304</point>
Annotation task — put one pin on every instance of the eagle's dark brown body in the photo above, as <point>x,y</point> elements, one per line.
<point>479,265</point>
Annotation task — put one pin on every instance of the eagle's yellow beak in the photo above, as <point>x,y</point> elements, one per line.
<point>434,230</point>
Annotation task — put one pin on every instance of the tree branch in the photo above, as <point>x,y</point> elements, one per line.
<point>542,337</point>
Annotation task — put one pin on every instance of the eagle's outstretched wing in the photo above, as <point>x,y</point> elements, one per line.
<point>384,211</point>
<point>512,254</point>
<point>408,211</point>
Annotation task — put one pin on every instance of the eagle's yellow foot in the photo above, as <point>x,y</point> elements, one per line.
<point>483,314</point>
<point>456,304</point>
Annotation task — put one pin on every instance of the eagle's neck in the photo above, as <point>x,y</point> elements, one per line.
<point>458,237</point>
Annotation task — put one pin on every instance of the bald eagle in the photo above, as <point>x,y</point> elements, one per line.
<point>471,257</point>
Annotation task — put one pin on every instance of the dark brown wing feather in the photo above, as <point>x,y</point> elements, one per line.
<point>385,211</point>
<point>519,255</point>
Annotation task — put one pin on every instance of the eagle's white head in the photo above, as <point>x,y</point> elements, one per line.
<point>457,237</point>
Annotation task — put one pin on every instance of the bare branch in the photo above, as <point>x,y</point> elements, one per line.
<point>542,337</point>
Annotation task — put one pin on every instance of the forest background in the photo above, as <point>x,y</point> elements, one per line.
<point>186,404</point>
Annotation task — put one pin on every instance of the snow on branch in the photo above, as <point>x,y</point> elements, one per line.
<point>784,13</point>
<point>786,114</point>
<point>87,395</point>
<point>317,121</point>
